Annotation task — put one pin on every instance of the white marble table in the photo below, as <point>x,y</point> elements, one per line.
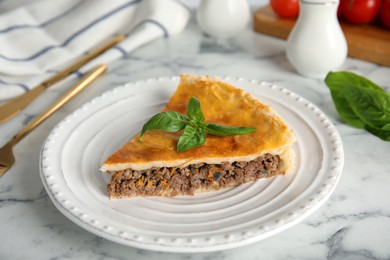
<point>353,224</point>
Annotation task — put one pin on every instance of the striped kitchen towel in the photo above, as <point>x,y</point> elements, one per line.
<point>39,39</point>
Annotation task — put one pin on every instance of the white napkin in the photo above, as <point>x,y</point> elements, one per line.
<point>39,39</point>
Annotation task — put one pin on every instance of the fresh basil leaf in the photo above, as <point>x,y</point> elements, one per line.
<point>169,121</point>
<point>194,111</point>
<point>221,130</point>
<point>336,82</point>
<point>343,107</point>
<point>361,103</point>
<point>192,137</point>
<point>384,135</point>
<point>344,78</point>
<point>370,105</point>
<point>194,126</point>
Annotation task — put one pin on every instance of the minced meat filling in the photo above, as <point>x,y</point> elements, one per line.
<point>171,181</point>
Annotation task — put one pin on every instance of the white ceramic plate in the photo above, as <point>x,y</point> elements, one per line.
<point>77,147</point>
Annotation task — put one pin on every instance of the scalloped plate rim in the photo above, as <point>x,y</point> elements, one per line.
<point>189,247</point>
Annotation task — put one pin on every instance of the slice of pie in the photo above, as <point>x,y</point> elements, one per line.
<point>153,167</point>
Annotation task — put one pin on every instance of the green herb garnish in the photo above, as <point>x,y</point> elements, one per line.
<point>194,125</point>
<point>360,102</point>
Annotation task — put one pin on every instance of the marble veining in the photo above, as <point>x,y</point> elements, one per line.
<point>353,224</point>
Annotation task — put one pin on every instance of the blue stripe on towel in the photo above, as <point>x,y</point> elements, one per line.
<point>23,86</point>
<point>72,37</point>
<point>78,73</point>
<point>53,19</point>
<point>158,24</point>
<point>166,34</point>
<point>120,49</point>
<point>117,47</point>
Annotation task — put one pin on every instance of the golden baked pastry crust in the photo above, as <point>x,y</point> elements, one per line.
<point>223,104</point>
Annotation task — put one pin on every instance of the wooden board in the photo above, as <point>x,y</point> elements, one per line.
<point>366,42</point>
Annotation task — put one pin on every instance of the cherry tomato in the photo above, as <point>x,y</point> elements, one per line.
<point>385,13</point>
<point>360,11</point>
<point>340,9</point>
<point>286,8</point>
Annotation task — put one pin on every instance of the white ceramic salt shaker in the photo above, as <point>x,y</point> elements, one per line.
<point>317,44</point>
<point>223,18</point>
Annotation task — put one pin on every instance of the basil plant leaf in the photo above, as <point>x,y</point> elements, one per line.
<point>361,103</point>
<point>220,130</point>
<point>337,82</point>
<point>342,106</point>
<point>169,121</point>
<point>194,111</point>
<point>372,106</point>
<point>345,78</point>
<point>192,137</point>
<point>194,126</point>
<point>384,135</point>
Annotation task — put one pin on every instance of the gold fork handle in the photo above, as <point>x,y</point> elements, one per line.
<point>72,92</point>
<point>13,107</point>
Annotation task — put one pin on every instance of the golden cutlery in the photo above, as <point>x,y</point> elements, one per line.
<point>14,106</point>
<point>7,158</point>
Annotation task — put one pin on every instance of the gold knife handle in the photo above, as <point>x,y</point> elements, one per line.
<point>82,61</point>
<point>72,92</point>
<point>14,106</point>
